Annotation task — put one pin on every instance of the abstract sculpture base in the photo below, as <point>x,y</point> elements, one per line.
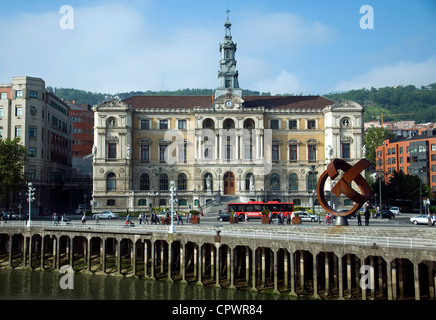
<point>341,221</point>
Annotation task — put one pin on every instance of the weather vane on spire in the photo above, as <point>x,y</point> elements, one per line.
<point>228,11</point>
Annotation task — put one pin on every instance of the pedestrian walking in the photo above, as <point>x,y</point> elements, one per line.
<point>359,219</point>
<point>180,218</point>
<point>146,218</point>
<point>83,219</point>
<point>430,222</point>
<point>367,214</point>
<point>97,219</point>
<point>140,218</point>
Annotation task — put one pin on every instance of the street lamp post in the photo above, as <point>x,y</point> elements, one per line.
<point>30,198</point>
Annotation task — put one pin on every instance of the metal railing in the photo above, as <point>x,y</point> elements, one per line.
<point>257,233</point>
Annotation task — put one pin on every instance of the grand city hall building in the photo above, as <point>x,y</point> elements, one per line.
<point>228,147</point>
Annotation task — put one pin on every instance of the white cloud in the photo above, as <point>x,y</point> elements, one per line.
<point>403,73</point>
<point>284,82</point>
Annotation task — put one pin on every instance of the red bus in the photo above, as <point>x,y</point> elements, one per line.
<point>254,208</point>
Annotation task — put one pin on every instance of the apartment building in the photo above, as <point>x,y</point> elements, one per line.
<point>41,120</point>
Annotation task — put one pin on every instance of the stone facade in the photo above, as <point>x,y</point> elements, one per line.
<point>247,147</point>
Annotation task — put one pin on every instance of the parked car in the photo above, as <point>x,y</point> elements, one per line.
<point>306,216</point>
<point>223,216</point>
<point>421,219</point>
<point>387,214</point>
<point>17,216</point>
<point>106,215</point>
<point>395,210</point>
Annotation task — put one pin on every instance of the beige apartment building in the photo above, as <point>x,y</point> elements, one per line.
<point>225,147</point>
<point>41,120</point>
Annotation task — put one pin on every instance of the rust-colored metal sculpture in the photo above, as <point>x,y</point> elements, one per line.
<point>351,173</point>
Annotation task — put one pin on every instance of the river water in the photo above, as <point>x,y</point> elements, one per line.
<point>45,285</point>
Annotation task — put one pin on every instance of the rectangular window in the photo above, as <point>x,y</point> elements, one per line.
<point>19,94</point>
<point>17,132</point>
<point>4,96</point>
<point>433,147</point>
<point>1,112</point>
<point>31,175</point>
<point>401,150</point>
<point>274,124</point>
<point>346,150</point>
<point>275,152</point>
<point>145,153</point>
<point>32,133</point>
<point>293,152</point>
<point>311,153</point>
<point>163,124</point>
<point>311,124</point>
<point>162,149</point>
<point>145,124</point>
<point>1,132</point>
<point>182,153</point>
<point>292,124</point>
<point>31,152</point>
<point>112,150</point>
<point>182,124</point>
<point>18,111</point>
<point>33,94</point>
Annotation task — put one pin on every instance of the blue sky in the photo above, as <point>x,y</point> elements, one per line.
<point>309,47</point>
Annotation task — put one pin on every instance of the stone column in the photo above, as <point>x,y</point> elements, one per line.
<point>133,257</point>
<point>25,252</point>
<point>349,276</point>
<point>10,250</point>
<point>57,255</point>
<point>145,259</point>
<point>182,262</point>
<point>253,269</point>
<point>42,251</point>
<point>263,267</point>
<point>394,279</point>
<point>153,256</point>
<point>218,265</point>
<point>118,256</point>
<point>315,277</point>
<point>276,271</point>
<point>292,272</point>
<point>103,255</point>
<point>200,264</point>
<point>416,280</point>
<point>231,266</point>
<point>247,265</point>
<point>170,260</point>
<point>340,277</point>
<point>88,254</point>
<point>71,251</point>
<point>389,278</point>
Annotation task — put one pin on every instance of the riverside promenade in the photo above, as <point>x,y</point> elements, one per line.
<point>320,262</point>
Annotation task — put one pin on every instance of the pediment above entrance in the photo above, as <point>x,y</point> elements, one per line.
<point>228,101</point>
<point>113,105</point>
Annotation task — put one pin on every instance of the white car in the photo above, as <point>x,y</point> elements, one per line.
<point>306,216</point>
<point>395,210</point>
<point>106,215</point>
<point>421,219</point>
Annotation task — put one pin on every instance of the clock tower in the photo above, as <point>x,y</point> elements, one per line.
<point>228,75</point>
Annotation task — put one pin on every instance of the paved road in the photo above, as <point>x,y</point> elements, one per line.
<point>211,220</point>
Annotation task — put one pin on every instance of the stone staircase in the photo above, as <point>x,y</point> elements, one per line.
<point>222,205</point>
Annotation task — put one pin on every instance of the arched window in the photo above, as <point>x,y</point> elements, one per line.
<point>311,181</point>
<point>275,182</point>
<point>229,124</point>
<point>145,181</point>
<point>293,182</point>
<point>111,182</point>
<point>208,182</point>
<point>182,182</point>
<point>163,182</point>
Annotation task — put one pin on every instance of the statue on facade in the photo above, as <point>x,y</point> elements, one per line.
<point>209,183</point>
<point>329,152</point>
<point>252,183</point>
<point>364,152</point>
<point>129,152</point>
<point>94,152</point>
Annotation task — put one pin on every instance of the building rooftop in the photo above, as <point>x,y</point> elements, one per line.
<point>276,102</point>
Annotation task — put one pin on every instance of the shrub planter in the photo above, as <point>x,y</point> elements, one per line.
<point>296,220</point>
<point>265,219</point>
<point>234,219</point>
<point>195,220</point>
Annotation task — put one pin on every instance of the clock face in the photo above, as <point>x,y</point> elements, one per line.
<point>229,103</point>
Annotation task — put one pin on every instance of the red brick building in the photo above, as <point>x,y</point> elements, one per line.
<point>83,129</point>
<point>416,156</point>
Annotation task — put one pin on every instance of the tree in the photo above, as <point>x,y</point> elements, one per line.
<point>13,156</point>
<point>374,137</point>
